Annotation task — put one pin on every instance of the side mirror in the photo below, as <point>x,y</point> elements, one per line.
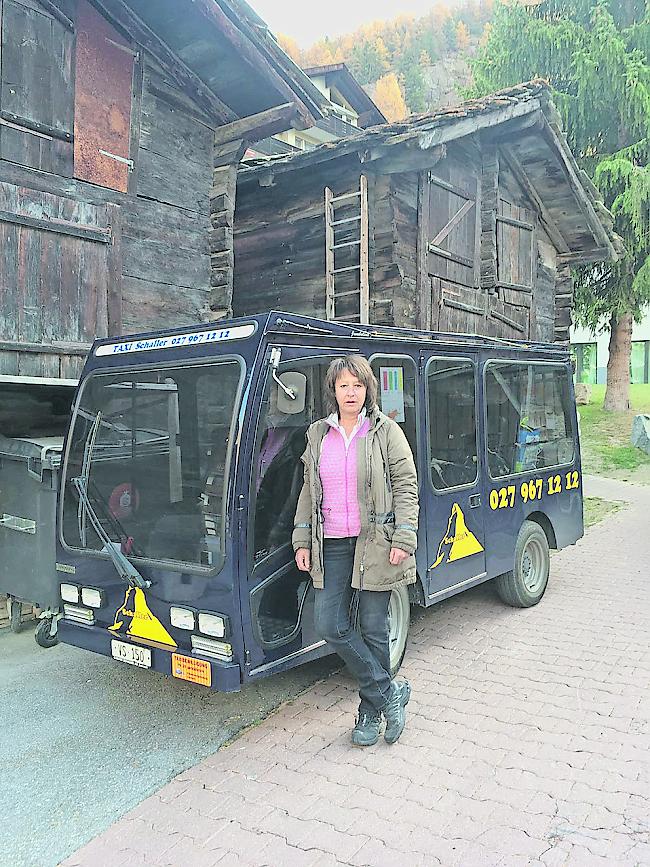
<point>295,384</point>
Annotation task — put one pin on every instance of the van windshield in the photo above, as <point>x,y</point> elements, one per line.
<point>152,448</point>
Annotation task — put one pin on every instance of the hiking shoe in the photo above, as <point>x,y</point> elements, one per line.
<point>366,731</point>
<point>395,710</point>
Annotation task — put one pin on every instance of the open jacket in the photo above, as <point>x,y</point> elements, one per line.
<point>387,491</point>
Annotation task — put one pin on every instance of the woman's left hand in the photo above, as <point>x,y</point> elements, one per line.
<point>397,556</point>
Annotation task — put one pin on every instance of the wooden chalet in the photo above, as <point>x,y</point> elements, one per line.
<point>467,220</point>
<point>122,123</point>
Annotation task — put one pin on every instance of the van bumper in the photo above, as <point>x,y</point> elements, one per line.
<point>226,676</point>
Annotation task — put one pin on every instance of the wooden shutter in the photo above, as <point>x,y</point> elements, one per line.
<point>60,281</point>
<point>103,87</point>
<point>36,95</point>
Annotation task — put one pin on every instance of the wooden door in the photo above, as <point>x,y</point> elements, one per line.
<point>457,302</point>
<point>60,281</point>
<point>509,306</point>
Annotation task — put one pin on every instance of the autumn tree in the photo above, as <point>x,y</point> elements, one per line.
<point>596,55</point>
<point>462,36</point>
<point>389,97</point>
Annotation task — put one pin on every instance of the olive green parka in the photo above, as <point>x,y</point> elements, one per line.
<point>387,492</point>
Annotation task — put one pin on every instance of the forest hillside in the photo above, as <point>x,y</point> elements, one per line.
<point>409,64</point>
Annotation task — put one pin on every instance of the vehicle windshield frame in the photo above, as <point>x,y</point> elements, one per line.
<point>235,422</point>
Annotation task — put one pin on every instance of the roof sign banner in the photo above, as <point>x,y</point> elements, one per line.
<point>176,341</point>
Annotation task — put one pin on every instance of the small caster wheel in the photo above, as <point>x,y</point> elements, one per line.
<point>15,610</point>
<point>43,634</point>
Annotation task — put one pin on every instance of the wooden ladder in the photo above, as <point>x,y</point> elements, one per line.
<point>346,232</point>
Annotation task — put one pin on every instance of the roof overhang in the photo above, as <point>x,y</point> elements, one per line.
<point>220,54</point>
<point>527,126</point>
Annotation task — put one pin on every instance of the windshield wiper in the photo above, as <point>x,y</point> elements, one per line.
<point>125,569</point>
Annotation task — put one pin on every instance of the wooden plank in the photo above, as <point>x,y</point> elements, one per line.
<point>257,126</point>
<point>60,227</point>
<point>24,124</point>
<point>455,220</point>
<point>452,257</point>
<point>58,347</point>
<point>184,184</point>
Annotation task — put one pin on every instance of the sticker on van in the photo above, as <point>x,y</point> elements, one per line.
<point>134,618</point>
<point>458,542</point>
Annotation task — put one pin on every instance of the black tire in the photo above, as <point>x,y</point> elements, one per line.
<point>526,584</point>
<point>15,614</point>
<point>43,635</point>
<point>399,621</point>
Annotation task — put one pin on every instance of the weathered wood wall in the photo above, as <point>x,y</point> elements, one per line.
<point>456,248</point>
<point>80,260</point>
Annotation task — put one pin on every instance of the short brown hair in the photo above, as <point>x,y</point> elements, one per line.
<point>357,366</point>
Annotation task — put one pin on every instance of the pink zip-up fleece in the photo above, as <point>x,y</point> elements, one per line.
<point>338,475</point>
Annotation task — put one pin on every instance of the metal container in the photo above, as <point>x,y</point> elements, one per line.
<point>29,475</point>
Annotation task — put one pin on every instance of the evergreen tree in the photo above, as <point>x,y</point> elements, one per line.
<point>596,55</point>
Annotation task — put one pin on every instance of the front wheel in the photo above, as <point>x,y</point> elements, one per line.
<point>399,620</point>
<point>526,584</point>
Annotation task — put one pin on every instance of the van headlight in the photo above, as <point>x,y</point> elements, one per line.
<point>70,593</point>
<point>182,618</point>
<point>92,597</point>
<point>213,624</point>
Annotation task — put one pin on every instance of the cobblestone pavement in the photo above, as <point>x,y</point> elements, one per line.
<point>526,742</point>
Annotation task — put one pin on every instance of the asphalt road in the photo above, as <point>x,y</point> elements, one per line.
<point>83,739</point>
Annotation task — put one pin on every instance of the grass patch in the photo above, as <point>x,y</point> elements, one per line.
<point>605,437</point>
<point>595,509</point>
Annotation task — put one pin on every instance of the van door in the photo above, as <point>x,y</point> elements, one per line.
<point>277,600</point>
<point>453,500</point>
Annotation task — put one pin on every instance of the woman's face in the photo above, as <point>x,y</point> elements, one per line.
<point>350,394</point>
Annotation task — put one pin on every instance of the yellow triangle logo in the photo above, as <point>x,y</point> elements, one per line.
<point>134,618</point>
<point>458,542</point>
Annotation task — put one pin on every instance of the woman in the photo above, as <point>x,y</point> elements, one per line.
<point>355,531</point>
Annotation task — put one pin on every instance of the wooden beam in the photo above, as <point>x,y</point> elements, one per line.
<point>43,129</point>
<point>525,183</point>
<point>60,227</point>
<point>257,126</point>
<point>55,12</point>
<point>54,348</point>
<point>385,161</point>
<point>124,18</point>
<point>600,254</point>
<point>554,134</point>
<point>248,49</point>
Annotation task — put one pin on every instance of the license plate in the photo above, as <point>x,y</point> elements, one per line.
<point>131,654</point>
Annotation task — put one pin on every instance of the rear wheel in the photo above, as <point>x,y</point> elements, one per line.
<point>526,584</point>
<point>399,620</point>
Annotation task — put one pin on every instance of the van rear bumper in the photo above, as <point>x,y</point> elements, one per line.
<point>226,677</point>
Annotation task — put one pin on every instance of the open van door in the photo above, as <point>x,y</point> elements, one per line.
<point>277,599</point>
<point>453,498</point>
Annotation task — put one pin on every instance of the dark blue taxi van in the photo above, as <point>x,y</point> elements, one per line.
<point>182,468</point>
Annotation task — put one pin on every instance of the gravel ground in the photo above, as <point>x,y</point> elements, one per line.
<point>84,739</point>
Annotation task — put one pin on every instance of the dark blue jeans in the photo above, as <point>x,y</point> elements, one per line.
<point>365,650</point>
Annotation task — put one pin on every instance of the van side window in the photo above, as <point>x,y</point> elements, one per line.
<point>529,417</point>
<point>451,417</point>
<point>277,471</point>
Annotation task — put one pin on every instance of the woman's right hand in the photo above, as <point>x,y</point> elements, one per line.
<point>303,559</point>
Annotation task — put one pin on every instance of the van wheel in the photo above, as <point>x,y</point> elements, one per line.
<point>399,620</point>
<point>526,584</point>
